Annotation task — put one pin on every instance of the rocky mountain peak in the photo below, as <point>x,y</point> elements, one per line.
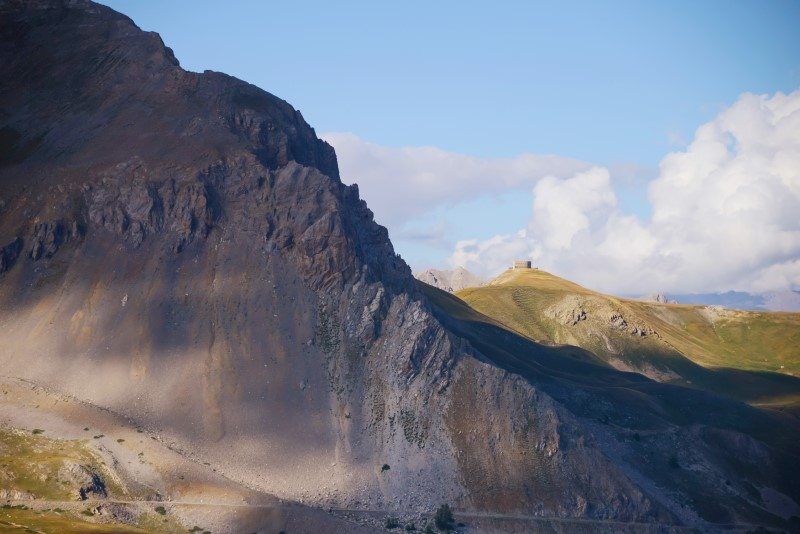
<point>177,249</point>
<point>450,280</point>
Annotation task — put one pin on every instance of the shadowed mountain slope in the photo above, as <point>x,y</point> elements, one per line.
<point>178,248</point>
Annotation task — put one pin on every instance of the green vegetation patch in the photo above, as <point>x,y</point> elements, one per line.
<point>36,465</point>
<point>26,520</point>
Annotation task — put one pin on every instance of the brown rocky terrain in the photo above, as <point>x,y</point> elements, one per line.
<point>177,248</point>
<point>449,280</point>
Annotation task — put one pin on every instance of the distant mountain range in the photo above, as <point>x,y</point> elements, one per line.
<point>774,301</point>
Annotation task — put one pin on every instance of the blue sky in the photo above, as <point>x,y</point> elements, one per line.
<point>617,84</point>
<point>600,81</point>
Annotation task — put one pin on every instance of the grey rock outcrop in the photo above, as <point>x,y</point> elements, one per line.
<point>450,280</point>
<point>89,483</point>
<point>659,298</point>
<point>9,254</point>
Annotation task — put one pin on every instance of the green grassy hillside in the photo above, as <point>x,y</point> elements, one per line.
<point>751,356</point>
<point>20,518</point>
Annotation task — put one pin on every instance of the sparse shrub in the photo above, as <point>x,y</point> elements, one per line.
<point>120,440</point>
<point>161,510</point>
<point>385,467</point>
<point>444,518</point>
<point>392,522</point>
<point>38,431</point>
<point>428,530</point>
<point>86,429</point>
<point>411,527</point>
<point>98,436</point>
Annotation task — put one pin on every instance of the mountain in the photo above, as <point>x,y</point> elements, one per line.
<point>751,356</point>
<point>190,292</point>
<point>788,300</point>
<point>449,280</point>
<point>660,298</point>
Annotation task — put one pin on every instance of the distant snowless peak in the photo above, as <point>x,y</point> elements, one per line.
<point>785,301</point>
<point>450,280</point>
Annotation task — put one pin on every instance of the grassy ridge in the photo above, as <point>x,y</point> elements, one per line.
<point>750,356</point>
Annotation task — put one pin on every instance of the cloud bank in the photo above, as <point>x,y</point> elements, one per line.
<point>725,214</point>
<point>401,183</point>
<point>725,210</point>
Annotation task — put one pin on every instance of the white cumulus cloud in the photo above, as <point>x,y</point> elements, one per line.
<point>402,183</point>
<point>725,214</point>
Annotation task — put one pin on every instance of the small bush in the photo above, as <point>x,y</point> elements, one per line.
<point>120,440</point>
<point>385,467</point>
<point>161,510</point>
<point>38,431</point>
<point>392,522</point>
<point>673,462</point>
<point>444,518</point>
<point>428,530</point>
<point>411,527</point>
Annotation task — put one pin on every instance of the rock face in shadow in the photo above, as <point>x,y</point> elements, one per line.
<point>178,247</point>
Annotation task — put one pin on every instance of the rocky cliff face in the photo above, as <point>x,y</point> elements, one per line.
<point>178,247</point>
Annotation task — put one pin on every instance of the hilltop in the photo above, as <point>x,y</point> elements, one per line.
<point>753,356</point>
